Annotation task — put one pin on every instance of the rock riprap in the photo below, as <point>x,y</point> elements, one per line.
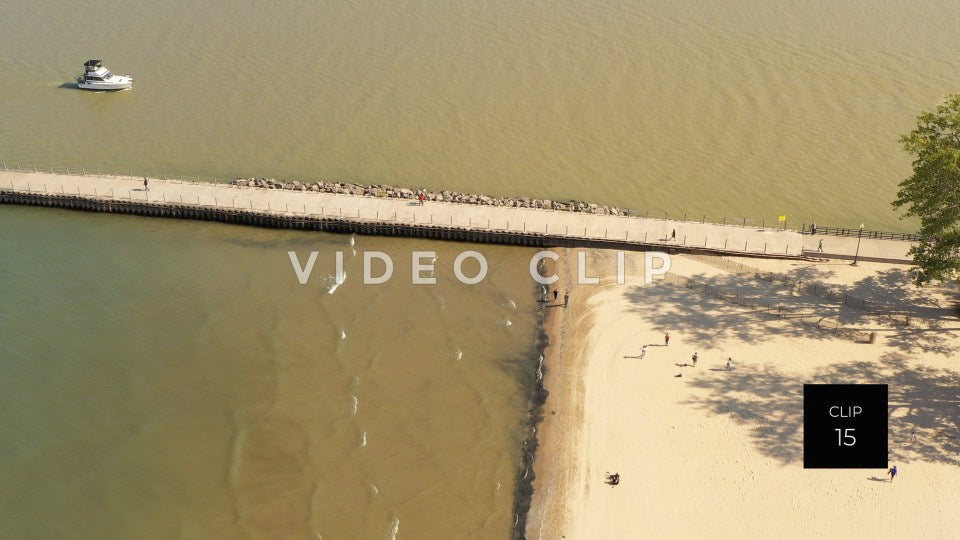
<point>393,192</point>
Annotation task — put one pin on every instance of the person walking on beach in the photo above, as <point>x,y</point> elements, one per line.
<point>694,358</point>
<point>729,364</point>
<point>420,198</point>
<point>145,187</point>
<point>820,246</point>
<point>666,340</point>
<point>892,472</point>
<point>566,299</point>
<point>913,434</point>
<point>673,234</point>
<point>643,351</point>
<point>555,293</point>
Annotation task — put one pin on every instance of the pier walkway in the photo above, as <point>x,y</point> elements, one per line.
<point>402,217</point>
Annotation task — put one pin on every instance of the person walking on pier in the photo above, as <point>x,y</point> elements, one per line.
<point>145,186</point>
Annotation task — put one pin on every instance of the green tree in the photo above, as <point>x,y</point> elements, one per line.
<point>932,192</point>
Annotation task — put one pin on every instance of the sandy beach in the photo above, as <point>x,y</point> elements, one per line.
<point>716,453</point>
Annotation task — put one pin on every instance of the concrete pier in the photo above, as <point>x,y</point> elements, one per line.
<point>394,217</point>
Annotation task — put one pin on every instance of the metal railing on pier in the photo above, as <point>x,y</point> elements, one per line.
<point>865,234</point>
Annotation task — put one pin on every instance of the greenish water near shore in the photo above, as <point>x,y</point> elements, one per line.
<point>165,379</point>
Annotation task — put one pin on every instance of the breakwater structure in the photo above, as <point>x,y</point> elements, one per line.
<point>390,211</point>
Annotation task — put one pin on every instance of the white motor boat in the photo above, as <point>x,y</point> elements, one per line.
<point>97,77</point>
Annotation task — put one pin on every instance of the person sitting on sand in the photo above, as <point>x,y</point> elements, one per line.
<point>613,479</point>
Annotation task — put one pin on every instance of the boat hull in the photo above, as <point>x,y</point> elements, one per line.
<point>105,86</point>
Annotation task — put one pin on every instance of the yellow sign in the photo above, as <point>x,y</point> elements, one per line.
<point>783,218</point>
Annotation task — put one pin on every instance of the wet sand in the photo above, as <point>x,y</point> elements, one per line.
<point>562,411</point>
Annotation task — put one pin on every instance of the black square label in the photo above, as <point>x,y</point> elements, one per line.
<point>844,426</point>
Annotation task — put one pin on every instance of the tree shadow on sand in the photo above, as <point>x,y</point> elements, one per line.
<point>892,289</point>
<point>771,403</point>
<point>922,340</point>
<point>708,320</point>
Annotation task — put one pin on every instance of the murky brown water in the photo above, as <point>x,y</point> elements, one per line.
<point>166,379</point>
<point>748,108</point>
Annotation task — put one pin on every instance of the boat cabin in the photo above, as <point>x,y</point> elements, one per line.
<point>94,70</point>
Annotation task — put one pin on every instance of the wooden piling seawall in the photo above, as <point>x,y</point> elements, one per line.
<point>344,224</point>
